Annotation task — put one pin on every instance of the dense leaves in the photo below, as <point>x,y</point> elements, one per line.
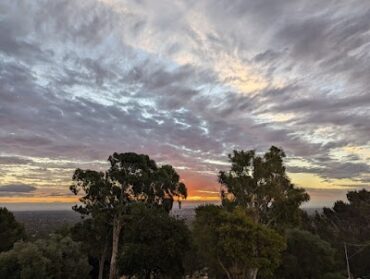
<point>154,244</point>
<point>233,243</point>
<point>95,236</point>
<point>57,257</point>
<point>260,185</point>
<point>131,178</point>
<point>141,179</point>
<point>307,256</point>
<point>10,230</point>
<point>348,222</point>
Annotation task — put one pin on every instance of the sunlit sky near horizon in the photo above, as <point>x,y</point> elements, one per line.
<point>185,82</point>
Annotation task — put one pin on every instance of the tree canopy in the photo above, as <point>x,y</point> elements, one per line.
<point>57,257</point>
<point>348,222</point>
<point>154,244</point>
<point>260,185</point>
<point>131,178</point>
<point>95,236</point>
<point>10,230</point>
<point>232,243</point>
<point>307,256</point>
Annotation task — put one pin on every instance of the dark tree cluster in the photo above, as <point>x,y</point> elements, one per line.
<point>154,245</point>
<point>346,226</point>
<point>57,257</point>
<point>109,197</point>
<point>258,230</point>
<point>10,230</point>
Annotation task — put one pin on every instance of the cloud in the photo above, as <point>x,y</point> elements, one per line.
<point>335,169</point>
<point>14,160</point>
<point>17,188</point>
<point>80,80</point>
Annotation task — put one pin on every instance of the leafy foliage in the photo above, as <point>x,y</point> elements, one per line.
<point>141,179</point>
<point>95,237</point>
<point>348,222</point>
<point>154,244</point>
<point>260,185</point>
<point>10,230</point>
<point>58,257</point>
<point>131,178</point>
<point>231,242</point>
<point>307,256</point>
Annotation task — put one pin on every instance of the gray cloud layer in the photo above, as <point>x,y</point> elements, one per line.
<point>17,188</point>
<point>80,80</point>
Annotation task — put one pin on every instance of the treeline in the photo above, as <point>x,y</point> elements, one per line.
<point>258,231</point>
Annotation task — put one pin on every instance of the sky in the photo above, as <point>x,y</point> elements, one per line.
<point>186,82</point>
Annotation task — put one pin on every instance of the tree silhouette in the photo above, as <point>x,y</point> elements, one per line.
<point>348,222</point>
<point>154,245</point>
<point>56,257</point>
<point>95,236</point>
<point>10,230</point>
<point>231,242</point>
<point>260,185</point>
<point>131,178</point>
<point>307,256</point>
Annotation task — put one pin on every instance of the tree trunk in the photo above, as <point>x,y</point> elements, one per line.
<point>252,273</point>
<point>102,260</point>
<point>117,226</point>
<point>224,268</point>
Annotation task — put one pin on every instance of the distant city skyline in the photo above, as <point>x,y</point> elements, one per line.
<point>185,82</point>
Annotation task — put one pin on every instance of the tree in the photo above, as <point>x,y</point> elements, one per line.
<point>350,219</point>
<point>154,244</point>
<point>24,261</point>
<point>233,243</point>
<point>307,256</point>
<point>260,185</point>
<point>10,230</point>
<point>57,257</point>
<point>131,178</point>
<point>348,222</point>
<point>95,236</point>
